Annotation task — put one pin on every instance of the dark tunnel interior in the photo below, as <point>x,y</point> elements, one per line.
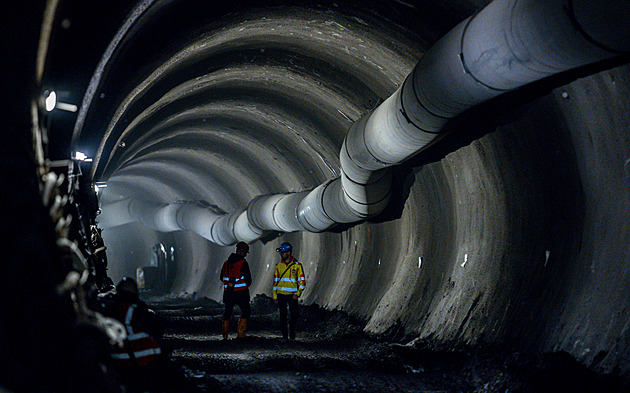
<point>181,127</point>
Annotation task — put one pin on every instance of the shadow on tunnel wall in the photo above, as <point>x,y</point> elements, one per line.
<point>534,281</point>
<point>474,124</point>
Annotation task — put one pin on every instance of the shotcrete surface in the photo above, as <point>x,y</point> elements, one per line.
<point>511,230</point>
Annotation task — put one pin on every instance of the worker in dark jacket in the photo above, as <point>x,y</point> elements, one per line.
<point>236,279</point>
<point>142,362</point>
<point>143,328</point>
<point>139,358</point>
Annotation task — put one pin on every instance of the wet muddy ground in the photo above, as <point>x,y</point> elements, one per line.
<point>332,354</point>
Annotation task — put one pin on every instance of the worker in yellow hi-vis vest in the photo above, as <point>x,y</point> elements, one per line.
<point>288,284</point>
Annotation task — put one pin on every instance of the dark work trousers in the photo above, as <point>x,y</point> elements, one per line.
<point>241,299</point>
<point>283,300</point>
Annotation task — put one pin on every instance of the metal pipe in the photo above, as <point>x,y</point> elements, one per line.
<point>244,230</point>
<point>508,44</point>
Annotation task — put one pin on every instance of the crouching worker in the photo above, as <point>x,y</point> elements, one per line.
<point>236,279</point>
<point>139,358</point>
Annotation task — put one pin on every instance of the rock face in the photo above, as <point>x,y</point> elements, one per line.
<point>511,231</point>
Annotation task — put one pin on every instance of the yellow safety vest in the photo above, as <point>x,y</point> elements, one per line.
<point>288,279</point>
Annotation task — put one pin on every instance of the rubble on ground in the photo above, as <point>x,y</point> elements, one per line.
<point>333,353</point>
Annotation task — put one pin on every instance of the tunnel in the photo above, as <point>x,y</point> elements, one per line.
<point>451,174</point>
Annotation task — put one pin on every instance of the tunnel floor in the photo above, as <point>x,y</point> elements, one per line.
<point>333,354</point>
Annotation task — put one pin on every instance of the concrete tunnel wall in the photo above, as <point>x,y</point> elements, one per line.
<point>512,231</point>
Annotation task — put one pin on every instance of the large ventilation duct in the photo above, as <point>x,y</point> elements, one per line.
<point>216,227</point>
<point>506,45</point>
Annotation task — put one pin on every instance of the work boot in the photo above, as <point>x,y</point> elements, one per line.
<point>226,329</point>
<point>242,325</point>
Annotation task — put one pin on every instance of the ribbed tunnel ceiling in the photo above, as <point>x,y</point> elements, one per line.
<point>257,104</point>
<point>508,238</point>
<point>244,103</point>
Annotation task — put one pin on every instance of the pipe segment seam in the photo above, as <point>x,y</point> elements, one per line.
<point>411,79</point>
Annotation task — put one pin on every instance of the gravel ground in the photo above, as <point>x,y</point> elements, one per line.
<point>333,354</point>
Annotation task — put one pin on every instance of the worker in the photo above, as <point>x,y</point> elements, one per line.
<point>138,358</point>
<point>288,284</point>
<point>236,279</point>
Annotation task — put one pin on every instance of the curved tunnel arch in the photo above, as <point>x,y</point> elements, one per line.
<point>294,38</point>
<point>486,237</point>
<point>248,123</point>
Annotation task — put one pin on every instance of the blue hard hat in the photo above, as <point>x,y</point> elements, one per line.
<point>284,247</point>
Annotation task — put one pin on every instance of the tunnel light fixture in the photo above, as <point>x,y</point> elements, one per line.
<point>51,103</point>
<point>80,156</point>
<point>99,185</point>
<point>50,100</point>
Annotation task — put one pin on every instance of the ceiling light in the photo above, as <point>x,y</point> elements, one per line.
<point>51,101</point>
